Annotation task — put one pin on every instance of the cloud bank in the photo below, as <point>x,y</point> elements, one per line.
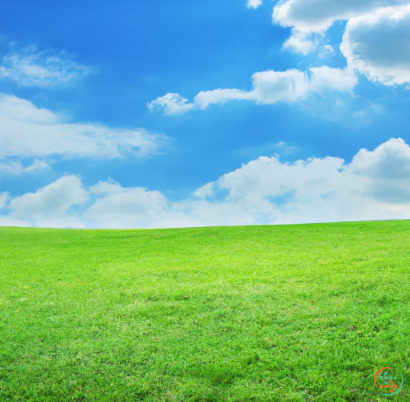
<point>374,185</point>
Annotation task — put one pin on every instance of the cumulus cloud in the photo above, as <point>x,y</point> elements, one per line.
<point>171,103</point>
<point>270,87</point>
<point>50,202</point>
<point>28,131</point>
<point>378,45</point>
<point>254,3</point>
<point>310,19</point>
<point>127,207</point>
<point>300,42</point>
<point>319,15</point>
<point>374,185</point>
<point>31,67</point>
<point>391,160</point>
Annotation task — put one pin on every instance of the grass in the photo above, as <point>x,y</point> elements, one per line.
<point>268,313</point>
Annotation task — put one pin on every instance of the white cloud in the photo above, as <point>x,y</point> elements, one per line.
<point>31,67</point>
<point>29,131</point>
<point>375,42</point>
<point>254,3</point>
<point>5,221</point>
<point>36,166</point>
<point>271,87</point>
<point>171,103</point>
<point>378,45</point>
<point>205,191</point>
<point>220,96</point>
<point>300,42</point>
<point>293,85</point>
<point>277,86</point>
<point>126,207</point>
<point>319,15</point>
<point>50,202</point>
<point>375,185</point>
<point>3,199</point>
<point>8,168</point>
<point>310,19</point>
<point>334,79</point>
<point>391,160</point>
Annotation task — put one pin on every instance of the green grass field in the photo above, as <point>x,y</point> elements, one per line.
<point>269,313</point>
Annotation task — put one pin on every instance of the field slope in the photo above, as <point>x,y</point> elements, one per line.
<point>268,313</point>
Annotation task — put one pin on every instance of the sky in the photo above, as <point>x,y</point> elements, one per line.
<point>158,114</point>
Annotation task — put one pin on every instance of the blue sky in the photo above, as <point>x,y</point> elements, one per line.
<point>165,114</point>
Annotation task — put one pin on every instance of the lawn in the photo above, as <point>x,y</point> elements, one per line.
<point>265,313</point>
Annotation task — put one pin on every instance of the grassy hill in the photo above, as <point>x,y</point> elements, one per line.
<point>292,313</point>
